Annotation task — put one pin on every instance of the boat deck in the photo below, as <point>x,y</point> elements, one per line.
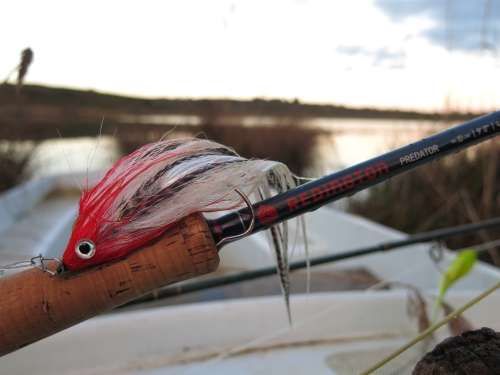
<point>340,327</point>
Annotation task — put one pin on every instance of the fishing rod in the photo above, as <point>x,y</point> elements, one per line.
<point>435,235</point>
<point>35,305</point>
<point>345,183</point>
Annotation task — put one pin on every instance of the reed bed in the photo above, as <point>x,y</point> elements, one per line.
<point>460,189</point>
<point>290,144</point>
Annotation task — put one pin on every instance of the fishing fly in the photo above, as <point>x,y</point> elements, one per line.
<point>149,191</point>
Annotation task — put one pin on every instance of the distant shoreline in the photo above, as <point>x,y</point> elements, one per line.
<point>35,98</point>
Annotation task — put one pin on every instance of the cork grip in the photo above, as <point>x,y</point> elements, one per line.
<point>34,306</point>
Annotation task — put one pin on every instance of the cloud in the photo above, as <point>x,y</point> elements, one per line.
<point>353,50</point>
<point>380,57</point>
<point>460,24</point>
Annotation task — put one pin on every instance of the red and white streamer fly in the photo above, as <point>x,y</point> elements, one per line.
<point>149,191</point>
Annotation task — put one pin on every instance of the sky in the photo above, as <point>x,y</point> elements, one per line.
<point>426,55</point>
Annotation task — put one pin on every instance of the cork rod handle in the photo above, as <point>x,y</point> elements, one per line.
<point>34,305</point>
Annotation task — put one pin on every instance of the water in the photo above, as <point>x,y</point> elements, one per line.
<point>73,156</point>
<point>352,141</point>
<point>349,142</point>
<point>346,142</point>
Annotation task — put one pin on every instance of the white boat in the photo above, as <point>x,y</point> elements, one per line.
<point>333,331</point>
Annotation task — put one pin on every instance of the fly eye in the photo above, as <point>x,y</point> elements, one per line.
<point>85,248</point>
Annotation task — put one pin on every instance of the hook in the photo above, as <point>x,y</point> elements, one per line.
<point>252,223</point>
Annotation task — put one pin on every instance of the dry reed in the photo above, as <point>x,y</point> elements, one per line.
<point>460,189</point>
<point>26,59</point>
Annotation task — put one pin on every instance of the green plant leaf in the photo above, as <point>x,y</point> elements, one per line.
<point>460,267</point>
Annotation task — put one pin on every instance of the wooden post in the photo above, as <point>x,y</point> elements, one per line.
<point>34,306</point>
